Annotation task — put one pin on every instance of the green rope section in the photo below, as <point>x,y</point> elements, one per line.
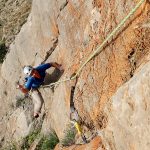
<point>100,48</point>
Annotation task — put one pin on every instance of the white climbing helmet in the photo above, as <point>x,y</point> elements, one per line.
<point>27,70</point>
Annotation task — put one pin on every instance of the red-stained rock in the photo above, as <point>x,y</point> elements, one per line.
<point>95,144</point>
<point>68,32</point>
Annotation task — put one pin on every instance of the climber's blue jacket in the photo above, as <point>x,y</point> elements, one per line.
<point>33,82</point>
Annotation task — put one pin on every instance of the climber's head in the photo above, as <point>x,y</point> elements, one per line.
<point>27,70</point>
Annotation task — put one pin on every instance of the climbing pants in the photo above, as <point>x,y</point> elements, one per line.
<point>37,101</point>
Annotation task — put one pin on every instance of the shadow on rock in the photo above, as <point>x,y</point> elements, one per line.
<point>54,77</point>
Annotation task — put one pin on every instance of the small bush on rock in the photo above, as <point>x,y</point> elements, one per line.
<point>3,51</point>
<point>69,138</point>
<point>48,142</point>
<point>28,140</point>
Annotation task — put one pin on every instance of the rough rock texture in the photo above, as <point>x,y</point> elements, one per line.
<point>95,144</point>
<point>67,32</point>
<point>13,14</point>
<point>129,120</point>
<point>113,67</point>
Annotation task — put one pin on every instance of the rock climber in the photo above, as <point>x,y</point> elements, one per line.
<point>33,80</point>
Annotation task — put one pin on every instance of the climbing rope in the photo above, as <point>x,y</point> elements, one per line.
<point>100,48</point>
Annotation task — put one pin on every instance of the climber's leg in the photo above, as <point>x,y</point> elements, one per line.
<point>37,101</point>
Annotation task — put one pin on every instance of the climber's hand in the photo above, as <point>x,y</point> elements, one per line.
<point>57,66</point>
<point>60,68</point>
<point>17,84</point>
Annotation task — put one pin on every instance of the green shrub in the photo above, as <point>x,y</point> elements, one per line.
<point>48,142</point>
<point>3,51</point>
<point>20,101</point>
<point>10,146</point>
<point>28,140</point>
<point>69,138</point>
<point>13,147</point>
<point>23,101</point>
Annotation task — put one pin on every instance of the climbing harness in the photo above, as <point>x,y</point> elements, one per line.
<point>99,48</point>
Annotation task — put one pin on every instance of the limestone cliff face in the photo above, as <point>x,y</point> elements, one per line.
<point>128,126</point>
<point>13,15</point>
<point>67,32</point>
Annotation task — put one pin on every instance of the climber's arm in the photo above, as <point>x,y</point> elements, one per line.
<point>23,89</point>
<point>46,66</point>
<point>56,65</point>
<point>26,87</point>
<point>43,67</point>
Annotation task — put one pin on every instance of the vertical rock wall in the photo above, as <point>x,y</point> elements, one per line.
<point>129,122</point>
<point>67,32</point>
<point>13,15</point>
